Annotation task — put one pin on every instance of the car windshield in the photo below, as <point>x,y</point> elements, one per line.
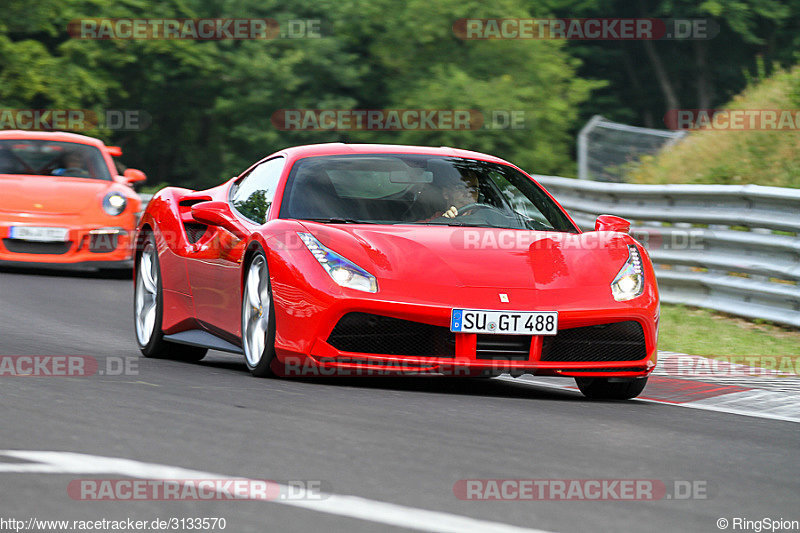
<point>418,189</point>
<point>52,158</point>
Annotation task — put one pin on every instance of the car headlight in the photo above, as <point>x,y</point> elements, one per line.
<point>343,271</point>
<point>114,203</point>
<point>629,282</point>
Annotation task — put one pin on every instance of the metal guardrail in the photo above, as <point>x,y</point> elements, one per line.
<point>145,200</point>
<point>731,248</point>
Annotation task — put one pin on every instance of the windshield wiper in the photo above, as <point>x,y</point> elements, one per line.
<point>459,224</point>
<point>337,220</point>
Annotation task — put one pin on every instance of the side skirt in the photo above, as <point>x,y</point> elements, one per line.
<point>203,339</point>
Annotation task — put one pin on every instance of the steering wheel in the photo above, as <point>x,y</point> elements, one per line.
<point>74,172</point>
<point>473,206</point>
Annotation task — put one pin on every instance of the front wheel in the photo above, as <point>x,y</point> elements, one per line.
<point>606,389</point>
<point>258,319</point>
<point>148,310</point>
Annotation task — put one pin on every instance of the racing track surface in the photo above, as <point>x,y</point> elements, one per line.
<point>400,441</point>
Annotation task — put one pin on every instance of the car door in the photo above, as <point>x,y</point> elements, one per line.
<point>215,265</point>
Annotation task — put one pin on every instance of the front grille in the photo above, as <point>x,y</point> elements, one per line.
<point>503,347</point>
<point>368,333</point>
<point>622,341</point>
<point>42,248</point>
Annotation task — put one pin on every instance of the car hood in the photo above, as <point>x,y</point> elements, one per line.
<point>479,257</point>
<point>50,194</point>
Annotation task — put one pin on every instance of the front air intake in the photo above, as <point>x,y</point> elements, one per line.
<point>621,341</point>
<point>377,334</point>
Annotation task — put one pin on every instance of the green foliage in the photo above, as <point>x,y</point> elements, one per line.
<point>763,157</point>
<point>255,207</point>
<point>211,102</point>
<point>533,78</point>
<point>700,73</point>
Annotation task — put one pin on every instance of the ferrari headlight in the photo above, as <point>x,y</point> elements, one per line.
<point>114,203</point>
<point>343,271</point>
<point>629,282</point>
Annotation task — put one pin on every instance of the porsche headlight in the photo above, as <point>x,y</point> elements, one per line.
<point>629,282</point>
<point>343,271</point>
<point>114,203</point>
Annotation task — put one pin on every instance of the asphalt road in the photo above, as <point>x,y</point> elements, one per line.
<point>402,441</point>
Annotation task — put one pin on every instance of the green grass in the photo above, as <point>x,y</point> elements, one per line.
<point>703,332</point>
<point>735,157</point>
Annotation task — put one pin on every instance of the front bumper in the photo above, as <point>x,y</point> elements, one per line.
<point>87,247</point>
<point>83,266</point>
<point>309,306</point>
<point>467,357</point>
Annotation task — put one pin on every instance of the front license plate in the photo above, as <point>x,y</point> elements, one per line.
<point>30,233</point>
<point>504,322</point>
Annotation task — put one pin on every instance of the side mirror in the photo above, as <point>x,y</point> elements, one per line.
<point>612,223</point>
<point>132,176</point>
<point>115,151</point>
<point>216,214</point>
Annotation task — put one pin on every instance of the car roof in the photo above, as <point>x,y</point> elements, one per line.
<point>313,150</point>
<point>60,136</point>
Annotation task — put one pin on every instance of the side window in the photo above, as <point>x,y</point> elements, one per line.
<point>519,202</point>
<point>253,195</point>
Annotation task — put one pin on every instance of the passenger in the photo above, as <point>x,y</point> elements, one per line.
<point>9,164</point>
<point>72,164</point>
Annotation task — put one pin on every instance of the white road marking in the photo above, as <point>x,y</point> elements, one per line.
<point>52,462</point>
<point>683,366</point>
<point>755,403</point>
<point>768,404</point>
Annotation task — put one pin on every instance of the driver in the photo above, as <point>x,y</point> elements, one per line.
<point>70,162</point>
<point>461,194</point>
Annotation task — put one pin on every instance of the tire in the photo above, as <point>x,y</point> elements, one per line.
<point>604,389</point>
<point>148,310</point>
<point>258,318</point>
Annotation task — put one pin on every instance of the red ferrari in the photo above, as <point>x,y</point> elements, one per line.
<point>339,259</point>
<point>62,202</point>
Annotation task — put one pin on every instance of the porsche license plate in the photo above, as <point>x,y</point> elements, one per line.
<point>504,322</point>
<point>30,233</point>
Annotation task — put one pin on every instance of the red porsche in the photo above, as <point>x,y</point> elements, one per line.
<point>339,259</point>
<point>63,202</point>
